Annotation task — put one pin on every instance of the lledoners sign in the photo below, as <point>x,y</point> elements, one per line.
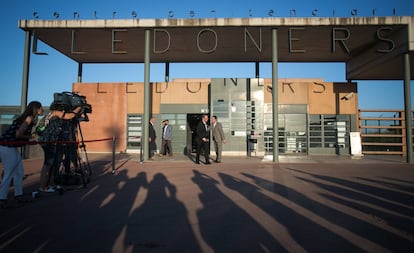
<point>360,42</point>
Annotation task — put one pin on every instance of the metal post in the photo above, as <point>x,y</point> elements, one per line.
<point>408,109</point>
<point>113,154</point>
<point>80,69</point>
<point>167,72</point>
<point>26,67</point>
<point>145,121</point>
<point>257,68</point>
<point>275,113</point>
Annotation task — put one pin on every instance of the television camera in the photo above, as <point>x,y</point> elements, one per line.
<point>70,101</point>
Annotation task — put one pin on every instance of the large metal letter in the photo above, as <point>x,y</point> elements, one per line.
<point>233,80</point>
<point>114,40</point>
<point>73,45</point>
<point>275,106</point>
<point>215,43</point>
<point>289,85</point>
<point>247,34</point>
<point>155,41</point>
<point>323,87</point>
<point>34,45</point>
<point>341,40</point>
<point>98,90</point>
<point>127,90</point>
<point>390,42</point>
<point>291,50</point>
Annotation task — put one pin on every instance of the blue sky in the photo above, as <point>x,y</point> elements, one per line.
<point>56,73</point>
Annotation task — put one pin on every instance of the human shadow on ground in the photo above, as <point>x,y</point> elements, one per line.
<point>310,235</point>
<point>403,198</point>
<point>86,220</point>
<point>161,222</point>
<point>356,225</point>
<point>116,212</point>
<point>399,214</point>
<point>398,186</point>
<point>398,180</point>
<point>225,226</point>
<point>400,222</point>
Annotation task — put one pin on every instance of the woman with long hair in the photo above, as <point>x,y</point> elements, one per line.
<point>17,135</point>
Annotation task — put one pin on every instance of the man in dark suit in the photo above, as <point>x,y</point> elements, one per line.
<point>203,138</point>
<point>166,146</point>
<point>152,136</point>
<point>218,137</point>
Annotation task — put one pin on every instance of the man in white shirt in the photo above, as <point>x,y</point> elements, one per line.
<point>203,139</point>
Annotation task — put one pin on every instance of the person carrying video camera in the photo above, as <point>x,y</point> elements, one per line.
<point>53,151</point>
<point>69,150</point>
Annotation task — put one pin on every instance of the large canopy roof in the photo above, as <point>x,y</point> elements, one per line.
<point>371,47</point>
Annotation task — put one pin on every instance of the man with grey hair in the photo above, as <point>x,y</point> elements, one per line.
<point>166,146</point>
<point>218,137</point>
<point>203,139</point>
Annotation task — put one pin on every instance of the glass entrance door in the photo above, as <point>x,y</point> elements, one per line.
<point>134,131</point>
<point>293,137</point>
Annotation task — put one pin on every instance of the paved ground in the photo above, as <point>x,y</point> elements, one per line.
<point>302,204</point>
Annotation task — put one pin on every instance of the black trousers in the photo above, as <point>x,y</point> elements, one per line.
<point>203,146</point>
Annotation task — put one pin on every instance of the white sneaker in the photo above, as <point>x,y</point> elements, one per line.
<point>48,190</point>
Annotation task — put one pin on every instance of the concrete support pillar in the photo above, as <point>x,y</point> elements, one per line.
<point>275,115</point>
<point>146,116</point>
<point>26,67</point>
<point>408,108</point>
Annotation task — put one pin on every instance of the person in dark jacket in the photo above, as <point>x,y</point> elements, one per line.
<point>52,150</point>
<point>203,139</point>
<point>17,135</point>
<point>152,136</point>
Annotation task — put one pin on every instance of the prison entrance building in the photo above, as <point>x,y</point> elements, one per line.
<point>372,48</point>
<point>315,117</point>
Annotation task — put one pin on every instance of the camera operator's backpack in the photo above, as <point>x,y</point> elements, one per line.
<point>52,131</point>
<point>40,128</point>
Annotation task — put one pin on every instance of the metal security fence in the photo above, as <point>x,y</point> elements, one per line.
<point>382,132</point>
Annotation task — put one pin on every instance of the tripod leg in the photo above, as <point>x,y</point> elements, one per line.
<point>84,154</point>
<point>81,170</point>
<point>85,160</point>
<point>62,176</point>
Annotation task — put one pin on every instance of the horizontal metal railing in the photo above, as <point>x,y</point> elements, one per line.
<point>382,131</point>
